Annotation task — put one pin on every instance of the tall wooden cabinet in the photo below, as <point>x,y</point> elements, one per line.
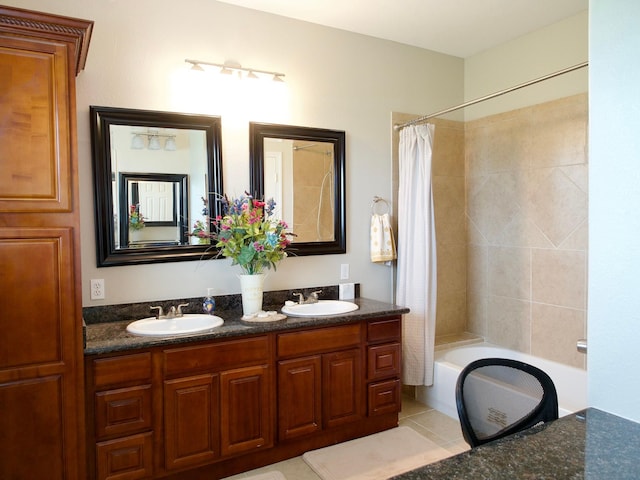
<point>41,376</point>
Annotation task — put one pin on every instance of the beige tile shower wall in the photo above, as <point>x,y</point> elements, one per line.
<point>313,191</point>
<point>448,171</point>
<point>527,197</point>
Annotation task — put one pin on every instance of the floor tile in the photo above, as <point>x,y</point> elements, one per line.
<point>436,426</point>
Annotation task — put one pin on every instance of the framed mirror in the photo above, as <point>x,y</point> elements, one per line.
<point>156,175</point>
<point>303,170</point>
<point>161,201</point>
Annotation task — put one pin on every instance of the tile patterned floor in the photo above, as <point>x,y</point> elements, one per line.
<point>428,422</point>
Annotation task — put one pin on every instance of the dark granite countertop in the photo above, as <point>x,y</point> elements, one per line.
<point>590,444</point>
<point>111,336</point>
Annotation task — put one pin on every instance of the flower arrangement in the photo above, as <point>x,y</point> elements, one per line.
<point>250,235</point>
<point>136,219</point>
<point>200,228</point>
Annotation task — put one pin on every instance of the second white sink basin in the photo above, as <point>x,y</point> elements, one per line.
<point>188,323</point>
<point>320,309</point>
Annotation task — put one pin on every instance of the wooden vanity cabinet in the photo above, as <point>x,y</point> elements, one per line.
<point>162,411</point>
<point>218,401</point>
<point>41,381</point>
<point>320,378</point>
<point>217,408</point>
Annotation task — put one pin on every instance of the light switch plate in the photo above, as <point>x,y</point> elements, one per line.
<point>344,271</point>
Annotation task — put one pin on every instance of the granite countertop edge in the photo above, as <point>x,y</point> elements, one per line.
<point>108,337</point>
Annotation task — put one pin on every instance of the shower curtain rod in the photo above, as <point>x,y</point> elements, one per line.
<point>490,96</point>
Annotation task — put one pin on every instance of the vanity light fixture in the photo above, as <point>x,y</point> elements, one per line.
<point>137,142</point>
<point>228,68</point>
<point>170,144</point>
<point>154,142</point>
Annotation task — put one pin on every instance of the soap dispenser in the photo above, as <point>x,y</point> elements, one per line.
<point>209,303</point>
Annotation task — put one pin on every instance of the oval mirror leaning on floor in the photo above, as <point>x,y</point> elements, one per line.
<point>303,170</point>
<point>152,173</point>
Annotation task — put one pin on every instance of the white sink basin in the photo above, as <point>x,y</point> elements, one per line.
<point>188,323</point>
<point>320,309</point>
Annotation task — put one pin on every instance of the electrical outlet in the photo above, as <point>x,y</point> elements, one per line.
<point>344,271</point>
<point>97,289</point>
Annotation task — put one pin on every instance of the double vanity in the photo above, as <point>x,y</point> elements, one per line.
<point>238,396</point>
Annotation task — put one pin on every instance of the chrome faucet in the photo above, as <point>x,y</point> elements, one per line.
<point>312,298</point>
<point>180,312</point>
<point>173,312</point>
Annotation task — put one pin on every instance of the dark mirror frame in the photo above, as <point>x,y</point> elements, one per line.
<point>101,119</point>
<point>258,132</point>
<point>180,202</point>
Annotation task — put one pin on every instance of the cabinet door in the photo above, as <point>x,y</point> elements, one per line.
<point>37,351</point>
<point>246,409</point>
<point>342,387</point>
<point>35,138</point>
<point>299,397</point>
<point>190,421</point>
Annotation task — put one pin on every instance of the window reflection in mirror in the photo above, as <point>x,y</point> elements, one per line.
<point>302,169</point>
<point>155,177</point>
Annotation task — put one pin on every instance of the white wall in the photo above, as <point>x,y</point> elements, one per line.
<point>529,57</point>
<point>334,79</point>
<point>614,206</point>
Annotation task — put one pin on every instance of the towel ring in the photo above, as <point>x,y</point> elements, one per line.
<point>375,202</point>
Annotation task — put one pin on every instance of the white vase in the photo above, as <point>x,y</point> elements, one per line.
<point>251,287</point>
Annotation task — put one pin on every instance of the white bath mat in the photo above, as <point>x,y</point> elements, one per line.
<point>376,457</point>
<point>275,475</point>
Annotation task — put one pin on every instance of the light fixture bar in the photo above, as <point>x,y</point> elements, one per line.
<point>197,64</point>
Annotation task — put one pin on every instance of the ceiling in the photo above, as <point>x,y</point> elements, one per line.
<point>454,27</point>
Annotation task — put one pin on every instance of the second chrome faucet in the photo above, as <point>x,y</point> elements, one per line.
<point>312,298</point>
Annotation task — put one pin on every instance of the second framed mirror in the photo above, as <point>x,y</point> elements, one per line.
<point>303,170</point>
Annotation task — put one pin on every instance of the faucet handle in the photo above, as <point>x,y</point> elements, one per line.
<point>315,294</point>
<point>160,311</point>
<point>180,312</point>
<point>300,297</point>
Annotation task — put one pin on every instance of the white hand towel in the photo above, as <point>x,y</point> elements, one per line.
<point>383,248</point>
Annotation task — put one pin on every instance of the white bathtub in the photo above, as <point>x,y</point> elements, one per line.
<point>570,382</point>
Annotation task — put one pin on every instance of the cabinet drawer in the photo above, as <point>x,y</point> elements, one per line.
<point>122,369</point>
<point>123,412</point>
<point>128,458</point>
<point>384,397</point>
<point>316,341</point>
<point>216,356</point>
<point>383,361</point>
<point>385,330</point>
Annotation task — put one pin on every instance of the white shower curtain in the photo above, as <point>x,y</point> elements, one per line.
<point>416,282</point>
